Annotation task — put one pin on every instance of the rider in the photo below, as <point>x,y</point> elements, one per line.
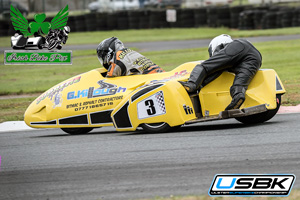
<point>237,56</point>
<point>62,34</point>
<point>121,61</point>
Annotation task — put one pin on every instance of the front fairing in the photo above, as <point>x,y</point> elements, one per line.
<point>82,100</point>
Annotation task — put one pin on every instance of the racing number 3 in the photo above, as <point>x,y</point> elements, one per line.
<point>150,104</point>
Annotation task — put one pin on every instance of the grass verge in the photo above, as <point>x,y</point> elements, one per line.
<point>20,79</point>
<point>13,109</point>
<point>164,34</point>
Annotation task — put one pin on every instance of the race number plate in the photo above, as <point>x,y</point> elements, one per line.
<point>152,106</point>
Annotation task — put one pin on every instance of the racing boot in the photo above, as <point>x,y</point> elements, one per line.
<point>238,97</point>
<point>196,79</point>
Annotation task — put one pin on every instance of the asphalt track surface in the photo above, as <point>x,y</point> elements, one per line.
<point>171,45</point>
<point>106,164</point>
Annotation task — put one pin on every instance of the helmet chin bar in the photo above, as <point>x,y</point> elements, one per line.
<point>218,48</point>
<point>210,51</point>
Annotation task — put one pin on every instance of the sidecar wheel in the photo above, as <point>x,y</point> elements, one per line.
<point>76,131</point>
<point>159,127</point>
<point>261,117</point>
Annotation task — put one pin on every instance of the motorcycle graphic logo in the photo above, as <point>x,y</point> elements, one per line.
<point>48,35</point>
<point>57,101</point>
<point>31,38</point>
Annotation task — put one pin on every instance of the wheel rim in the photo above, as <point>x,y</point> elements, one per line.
<point>156,125</point>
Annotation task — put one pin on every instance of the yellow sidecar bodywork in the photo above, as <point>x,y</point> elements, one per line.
<point>91,100</point>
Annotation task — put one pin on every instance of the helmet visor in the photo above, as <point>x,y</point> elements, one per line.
<point>102,57</point>
<point>210,51</point>
<point>100,60</point>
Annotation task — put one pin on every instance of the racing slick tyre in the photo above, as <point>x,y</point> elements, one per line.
<point>76,131</point>
<point>261,117</point>
<point>159,127</point>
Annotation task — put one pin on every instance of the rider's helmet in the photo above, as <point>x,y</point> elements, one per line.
<point>218,43</point>
<point>17,33</point>
<point>66,30</point>
<point>106,50</point>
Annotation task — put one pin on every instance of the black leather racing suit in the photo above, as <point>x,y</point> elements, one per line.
<point>239,57</point>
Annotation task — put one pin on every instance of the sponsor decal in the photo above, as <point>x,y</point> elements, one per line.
<point>124,53</point>
<point>252,185</point>
<point>152,106</point>
<point>57,101</point>
<point>54,91</point>
<point>30,38</point>
<point>175,76</point>
<point>206,113</point>
<point>188,110</point>
<point>33,57</point>
<point>105,89</point>
<point>91,104</point>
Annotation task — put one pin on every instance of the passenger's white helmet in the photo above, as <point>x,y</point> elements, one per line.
<point>218,43</point>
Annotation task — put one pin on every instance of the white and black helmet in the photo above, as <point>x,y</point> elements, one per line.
<point>218,43</point>
<point>106,50</point>
<point>66,30</point>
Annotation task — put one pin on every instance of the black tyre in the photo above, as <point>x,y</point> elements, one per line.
<point>52,44</point>
<point>261,117</point>
<point>76,131</point>
<point>159,127</point>
<point>41,44</point>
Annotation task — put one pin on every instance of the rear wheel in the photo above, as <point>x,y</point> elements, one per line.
<point>76,131</point>
<point>159,127</point>
<point>261,117</point>
<point>40,44</point>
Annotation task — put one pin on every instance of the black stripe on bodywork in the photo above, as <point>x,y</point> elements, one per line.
<point>80,119</point>
<point>102,117</point>
<point>144,91</point>
<point>278,85</point>
<point>53,122</point>
<point>122,118</point>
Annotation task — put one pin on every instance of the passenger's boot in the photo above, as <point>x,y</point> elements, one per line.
<point>196,79</point>
<point>238,97</point>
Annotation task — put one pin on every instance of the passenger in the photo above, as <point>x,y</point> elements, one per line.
<point>237,56</point>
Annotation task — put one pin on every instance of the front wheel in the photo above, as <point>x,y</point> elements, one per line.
<point>261,117</point>
<point>76,131</point>
<point>52,44</point>
<point>159,127</point>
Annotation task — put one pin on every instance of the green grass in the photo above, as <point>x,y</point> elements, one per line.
<point>13,109</point>
<point>17,79</point>
<point>164,34</point>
